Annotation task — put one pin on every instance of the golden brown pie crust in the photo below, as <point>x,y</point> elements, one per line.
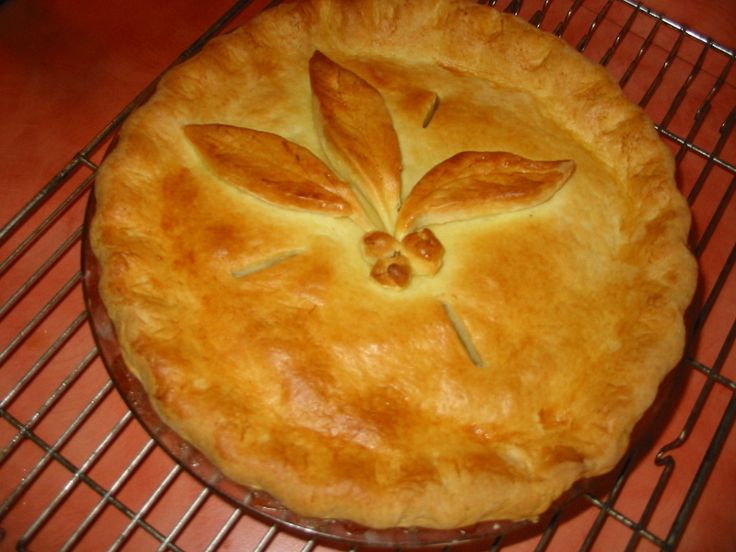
<point>482,389</point>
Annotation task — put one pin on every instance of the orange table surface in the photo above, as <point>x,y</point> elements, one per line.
<point>92,479</point>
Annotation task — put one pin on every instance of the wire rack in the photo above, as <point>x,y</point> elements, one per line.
<point>78,472</point>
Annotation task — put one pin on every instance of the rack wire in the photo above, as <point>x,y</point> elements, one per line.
<point>64,430</point>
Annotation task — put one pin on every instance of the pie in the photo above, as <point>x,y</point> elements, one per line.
<point>395,262</point>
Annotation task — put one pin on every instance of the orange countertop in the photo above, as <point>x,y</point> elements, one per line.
<point>76,468</point>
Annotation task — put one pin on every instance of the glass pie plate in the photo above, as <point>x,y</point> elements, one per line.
<point>268,509</point>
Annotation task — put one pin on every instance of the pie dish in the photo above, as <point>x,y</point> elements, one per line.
<point>396,263</point>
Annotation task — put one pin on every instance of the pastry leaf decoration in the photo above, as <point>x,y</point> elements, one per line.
<point>361,145</point>
<point>274,169</point>
<point>357,134</point>
<point>480,184</point>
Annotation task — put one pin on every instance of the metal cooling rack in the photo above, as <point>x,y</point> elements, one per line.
<point>63,429</point>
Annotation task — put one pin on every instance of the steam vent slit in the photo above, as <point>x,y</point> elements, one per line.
<point>431,111</point>
<point>463,335</point>
<point>265,264</point>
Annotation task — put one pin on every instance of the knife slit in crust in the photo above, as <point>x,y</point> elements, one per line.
<point>265,264</point>
<point>463,335</point>
<point>431,111</point>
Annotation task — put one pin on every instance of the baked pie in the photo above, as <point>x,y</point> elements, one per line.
<point>395,262</point>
